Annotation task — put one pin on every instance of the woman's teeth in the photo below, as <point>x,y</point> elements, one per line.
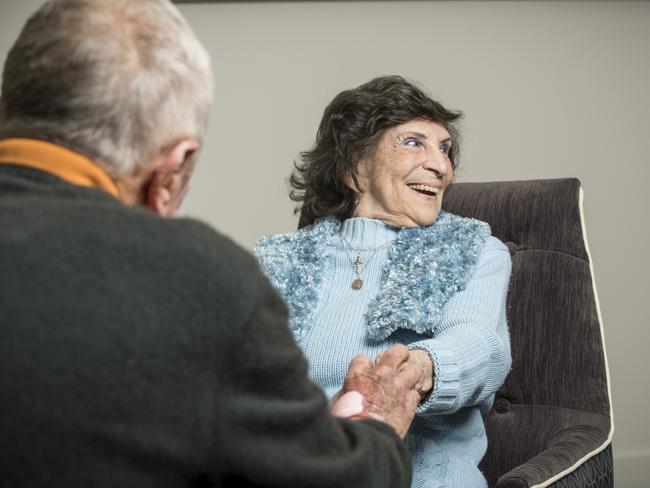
<point>425,188</point>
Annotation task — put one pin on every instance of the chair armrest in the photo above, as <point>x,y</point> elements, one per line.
<point>569,461</point>
<point>535,445</point>
<point>597,472</point>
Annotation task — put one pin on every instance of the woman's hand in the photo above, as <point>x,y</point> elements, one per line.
<point>421,361</point>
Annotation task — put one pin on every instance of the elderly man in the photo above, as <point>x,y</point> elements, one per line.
<point>138,350</point>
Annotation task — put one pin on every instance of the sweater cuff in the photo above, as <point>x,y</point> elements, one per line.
<point>446,379</point>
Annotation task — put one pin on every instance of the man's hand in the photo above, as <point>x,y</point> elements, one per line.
<point>384,392</point>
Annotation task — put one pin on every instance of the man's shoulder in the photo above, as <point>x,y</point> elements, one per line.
<point>197,236</point>
<point>207,268</point>
<point>184,234</point>
<point>179,247</point>
<point>196,243</point>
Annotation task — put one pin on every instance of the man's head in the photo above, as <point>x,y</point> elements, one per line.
<point>124,82</point>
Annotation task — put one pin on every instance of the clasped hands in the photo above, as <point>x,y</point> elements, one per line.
<point>388,391</point>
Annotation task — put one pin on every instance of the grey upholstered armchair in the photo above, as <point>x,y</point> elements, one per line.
<point>551,424</point>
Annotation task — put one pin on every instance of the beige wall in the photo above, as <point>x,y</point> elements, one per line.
<point>549,89</point>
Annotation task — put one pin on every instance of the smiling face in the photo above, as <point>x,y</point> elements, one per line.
<point>403,182</point>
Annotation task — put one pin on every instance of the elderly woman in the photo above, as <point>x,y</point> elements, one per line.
<point>377,262</point>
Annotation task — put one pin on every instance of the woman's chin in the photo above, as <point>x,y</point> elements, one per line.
<point>424,219</point>
<point>428,219</point>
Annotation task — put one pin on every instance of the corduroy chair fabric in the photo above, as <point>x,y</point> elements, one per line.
<point>551,423</point>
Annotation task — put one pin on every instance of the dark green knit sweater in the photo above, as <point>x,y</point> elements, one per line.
<point>137,351</point>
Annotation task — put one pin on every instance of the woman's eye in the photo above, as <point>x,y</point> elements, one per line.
<point>412,142</point>
<point>444,148</point>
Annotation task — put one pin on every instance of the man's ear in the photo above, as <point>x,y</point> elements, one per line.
<point>169,180</point>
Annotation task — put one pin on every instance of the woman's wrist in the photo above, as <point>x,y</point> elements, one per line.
<point>421,360</point>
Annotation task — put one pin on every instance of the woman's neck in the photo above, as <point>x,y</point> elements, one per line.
<point>364,233</point>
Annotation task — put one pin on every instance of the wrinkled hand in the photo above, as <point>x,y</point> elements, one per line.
<point>421,361</point>
<point>384,392</point>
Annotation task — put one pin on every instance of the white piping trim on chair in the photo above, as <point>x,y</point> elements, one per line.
<point>608,441</point>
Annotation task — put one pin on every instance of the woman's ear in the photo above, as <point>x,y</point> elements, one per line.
<point>349,181</point>
<point>354,181</point>
<point>169,180</point>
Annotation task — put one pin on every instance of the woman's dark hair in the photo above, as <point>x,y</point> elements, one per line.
<point>349,131</point>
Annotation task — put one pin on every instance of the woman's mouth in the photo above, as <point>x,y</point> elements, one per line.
<point>424,189</point>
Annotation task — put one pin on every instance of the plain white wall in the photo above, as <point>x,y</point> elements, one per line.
<point>549,89</point>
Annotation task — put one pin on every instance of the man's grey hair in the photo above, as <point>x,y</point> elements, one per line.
<point>117,80</point>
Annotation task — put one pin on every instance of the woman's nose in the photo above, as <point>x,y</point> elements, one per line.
<point>438,162</point>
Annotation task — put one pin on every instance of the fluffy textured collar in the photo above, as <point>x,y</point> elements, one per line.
<point>426,266</point>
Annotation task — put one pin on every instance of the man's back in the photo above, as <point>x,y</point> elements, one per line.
<point>136,349</point>
<point>140,351</point>
<point>100,342</point>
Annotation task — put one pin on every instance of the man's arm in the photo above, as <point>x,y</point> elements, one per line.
<point>278,425</point>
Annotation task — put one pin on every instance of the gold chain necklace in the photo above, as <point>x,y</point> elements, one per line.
<point>357,262</point>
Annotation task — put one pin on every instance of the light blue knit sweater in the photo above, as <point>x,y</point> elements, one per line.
<point>469,347</point>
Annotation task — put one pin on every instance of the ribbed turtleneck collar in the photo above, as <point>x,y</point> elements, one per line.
<point>364,233</point>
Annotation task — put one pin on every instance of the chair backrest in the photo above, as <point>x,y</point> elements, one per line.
<point>559,372</point>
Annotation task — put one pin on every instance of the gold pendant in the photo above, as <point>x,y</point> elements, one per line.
<point>357,284</point>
